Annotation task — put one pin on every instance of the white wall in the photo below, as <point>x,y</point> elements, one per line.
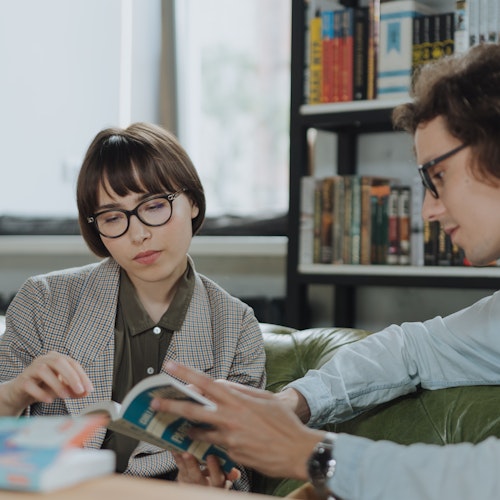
<point>245,266</point>
<point>61,63</point>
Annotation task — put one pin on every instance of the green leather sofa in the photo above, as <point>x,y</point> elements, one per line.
<point>444,416</point>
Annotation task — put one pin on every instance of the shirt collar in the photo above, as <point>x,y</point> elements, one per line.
<point>136,317</point>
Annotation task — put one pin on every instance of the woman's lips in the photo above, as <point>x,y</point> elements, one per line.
<point>147,257</point>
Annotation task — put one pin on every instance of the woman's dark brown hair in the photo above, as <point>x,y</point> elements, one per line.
<point>464,89</point>
<point>143,158</point>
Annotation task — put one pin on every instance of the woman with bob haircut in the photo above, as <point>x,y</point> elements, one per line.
<point>82,335</point>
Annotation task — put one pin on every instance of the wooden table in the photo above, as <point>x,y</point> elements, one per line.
<point>130,488</point>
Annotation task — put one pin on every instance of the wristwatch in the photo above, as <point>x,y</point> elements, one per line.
<point>321,466</point>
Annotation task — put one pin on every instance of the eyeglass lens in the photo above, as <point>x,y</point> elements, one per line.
<point>114,223</point>
<point>427,182</point>
<point>424,169</point>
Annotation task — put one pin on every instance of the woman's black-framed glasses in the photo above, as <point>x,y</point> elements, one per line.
<point>153,212</point>
<point>423,170</point>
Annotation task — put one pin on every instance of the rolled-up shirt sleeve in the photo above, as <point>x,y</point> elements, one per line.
<point>460,349</point>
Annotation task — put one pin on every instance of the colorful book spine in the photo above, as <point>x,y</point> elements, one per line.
<point>360,62</point>
<point>338,221</point>
<point>366,222</point>
<point>347,241</point>
<point>393,227</point>
<point>426,41</point>
<point>373,47</point>
<point>326,232</point>
<point>435,37</point>
<point>431,242</point>
<point>337,54</point>
<point>461,31</point>
<point>306,224</point>
<point>317,222</point>
<point>315,59</point>
<point>447,33</point>
<point>444,250</point>
<point>493,24</point>
<point>346,74</point>
<point>473,21</point>
<point>327,35</point>
<point>417,222</point>
<point>483,21</point>
<point>370,186</point>
<point>395,59</point>
<point>404,223</point>
<point>355,219</point>
<point>416,57</point>
<point>380,238</point>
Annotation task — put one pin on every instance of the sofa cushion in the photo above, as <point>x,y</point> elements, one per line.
<point>444,416</point>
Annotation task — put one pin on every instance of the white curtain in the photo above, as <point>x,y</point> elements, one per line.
<point>168,91</point>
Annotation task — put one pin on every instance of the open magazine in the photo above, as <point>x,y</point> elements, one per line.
<point>43,453</point>
<point>135,418</point>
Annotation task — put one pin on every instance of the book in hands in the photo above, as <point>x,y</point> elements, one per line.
<point>136,419</point>
<point>43,453</point>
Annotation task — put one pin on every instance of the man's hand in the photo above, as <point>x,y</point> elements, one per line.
<point>53,375</point>
<point>254,426</point>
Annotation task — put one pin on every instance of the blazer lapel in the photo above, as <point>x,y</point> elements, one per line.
<point>90,338</point>
<point>192,345</point>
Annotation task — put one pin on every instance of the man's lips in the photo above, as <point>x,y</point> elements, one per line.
<point>450,231</point>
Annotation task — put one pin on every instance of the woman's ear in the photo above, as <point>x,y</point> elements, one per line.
<point>194,209</point>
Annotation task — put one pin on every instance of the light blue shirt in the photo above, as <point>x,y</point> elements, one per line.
<point>460,349</point>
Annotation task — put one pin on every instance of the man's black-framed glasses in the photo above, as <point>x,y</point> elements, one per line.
<point>423,170</point>
<point>153,212</point>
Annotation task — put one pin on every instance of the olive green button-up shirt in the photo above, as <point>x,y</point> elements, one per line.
<point>140,347</point>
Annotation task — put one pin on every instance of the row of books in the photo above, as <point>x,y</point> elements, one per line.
<point>410,39</point>
<point>372,51</point>
<point>352,219</point>
<point>367,220</point>
<point>477,21</point>
<point>340,51</point>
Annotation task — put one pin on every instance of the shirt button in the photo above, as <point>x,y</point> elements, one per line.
<point>150,370</point>
<point>156,330</point>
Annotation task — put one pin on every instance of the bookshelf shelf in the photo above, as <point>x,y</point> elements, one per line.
<point>349,107</point>
<point>347,120</point>
<point>421,276</point>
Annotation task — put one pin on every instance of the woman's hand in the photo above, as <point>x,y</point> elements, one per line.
<point>211,474</point>
<point>53,375</point>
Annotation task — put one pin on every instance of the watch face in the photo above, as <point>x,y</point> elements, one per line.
<point>321,467</point>
<point>319,459</point>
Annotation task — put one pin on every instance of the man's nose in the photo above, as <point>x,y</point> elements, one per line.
<point>432,208</point>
